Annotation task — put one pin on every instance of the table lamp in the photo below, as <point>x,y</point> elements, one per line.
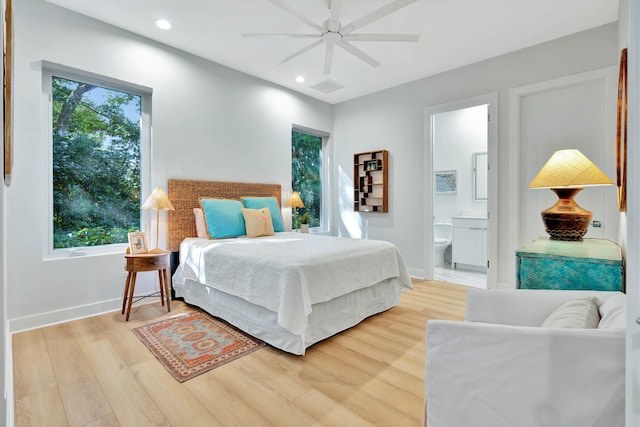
<point>566,173</point>
<point>295,202</point>
<point>157,201</point>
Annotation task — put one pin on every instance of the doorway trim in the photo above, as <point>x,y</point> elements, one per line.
<point>608,77</point>
<point>490,99</point>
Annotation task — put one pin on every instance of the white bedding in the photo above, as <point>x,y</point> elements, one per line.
<point>289,272</point>
<point>326,318</point>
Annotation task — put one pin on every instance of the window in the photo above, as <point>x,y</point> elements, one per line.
<point>307,172</point>
<point>96,160</point>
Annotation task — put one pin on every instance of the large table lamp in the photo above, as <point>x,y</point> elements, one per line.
<point>158,201</point>
<point>294,202</point>
<point>566,173</point>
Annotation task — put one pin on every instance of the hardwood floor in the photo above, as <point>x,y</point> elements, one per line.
<point>95,372</point>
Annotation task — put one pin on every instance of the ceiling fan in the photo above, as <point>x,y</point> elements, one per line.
<point>332,33</point>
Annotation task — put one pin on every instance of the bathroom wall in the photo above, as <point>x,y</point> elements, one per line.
<point>457,135</point>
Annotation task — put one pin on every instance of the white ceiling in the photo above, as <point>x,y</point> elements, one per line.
<point>452,33</point>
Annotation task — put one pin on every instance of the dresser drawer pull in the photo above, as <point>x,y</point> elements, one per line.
<point>154,262</point>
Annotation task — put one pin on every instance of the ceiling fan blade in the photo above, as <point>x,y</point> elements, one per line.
<point>284,6</point>
<point>328,58</point>
<point>358,53</point>
<point>300,52</point>
<point>333,24</point>
<point>381,37</point>
<point>375,15</point>
<point>294,36</point>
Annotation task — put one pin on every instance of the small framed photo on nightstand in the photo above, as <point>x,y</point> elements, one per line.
<point>137,242</point>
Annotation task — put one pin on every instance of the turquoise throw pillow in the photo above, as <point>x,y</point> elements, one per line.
<point>223,217</point>
<point>266,202</point>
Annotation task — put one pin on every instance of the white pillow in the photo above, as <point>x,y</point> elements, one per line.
<point>201,225</point>
<point>579,313</point>
<point>613,312</point>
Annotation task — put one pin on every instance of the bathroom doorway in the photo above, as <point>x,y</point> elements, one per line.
<point>460,195</point>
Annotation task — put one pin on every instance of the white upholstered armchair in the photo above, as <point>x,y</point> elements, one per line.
<point>500,368</point>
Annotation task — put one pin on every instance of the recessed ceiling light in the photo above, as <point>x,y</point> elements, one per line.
<point>163,24</point>
<point>300,79</point>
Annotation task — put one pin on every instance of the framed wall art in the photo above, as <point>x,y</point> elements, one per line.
<point>621,134</point>
<point>446,182</point>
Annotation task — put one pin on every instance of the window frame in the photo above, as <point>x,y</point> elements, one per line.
<point>48,71</point>
<point>325,183</point>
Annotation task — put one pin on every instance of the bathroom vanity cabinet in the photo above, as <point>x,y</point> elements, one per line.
<point>469,245</point>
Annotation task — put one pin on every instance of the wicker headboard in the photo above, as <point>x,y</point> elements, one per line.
<point>184,195</point>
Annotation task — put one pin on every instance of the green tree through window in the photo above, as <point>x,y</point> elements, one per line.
<point>306,171</point>
<point>96,164</point>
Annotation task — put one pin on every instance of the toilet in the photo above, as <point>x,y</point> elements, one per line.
<point>442,234</point>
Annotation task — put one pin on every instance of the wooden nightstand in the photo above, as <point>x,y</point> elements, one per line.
<point>145,262</point>
<point>593,264</point>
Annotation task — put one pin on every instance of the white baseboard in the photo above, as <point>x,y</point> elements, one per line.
<point>415,273</point>
<point>40,320</point>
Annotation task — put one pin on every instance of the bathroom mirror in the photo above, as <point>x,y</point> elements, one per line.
<point>480,172</point>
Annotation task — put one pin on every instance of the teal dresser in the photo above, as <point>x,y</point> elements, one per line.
<point>592,264</point>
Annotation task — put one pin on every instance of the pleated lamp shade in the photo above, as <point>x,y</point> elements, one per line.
<point>569,169</point>
<point>566,173</point>
<point>294,201</point>
<point>158,200</point>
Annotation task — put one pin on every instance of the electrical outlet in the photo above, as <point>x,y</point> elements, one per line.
<point>596,224</point>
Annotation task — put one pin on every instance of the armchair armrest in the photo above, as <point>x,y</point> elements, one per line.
<point>500,375</point>
<point>521,307</point>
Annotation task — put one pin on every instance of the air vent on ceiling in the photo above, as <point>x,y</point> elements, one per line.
<point>327,86</point>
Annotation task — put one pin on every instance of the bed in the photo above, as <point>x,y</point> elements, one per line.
<point>288,289</point>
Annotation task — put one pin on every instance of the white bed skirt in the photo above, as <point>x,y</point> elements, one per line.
<point>326,319</point>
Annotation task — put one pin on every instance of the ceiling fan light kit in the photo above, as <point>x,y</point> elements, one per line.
<point>332,33</point>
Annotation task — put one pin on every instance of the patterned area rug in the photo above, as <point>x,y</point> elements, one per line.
<point>194,343</point>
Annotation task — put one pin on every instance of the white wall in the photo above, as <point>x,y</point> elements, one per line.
<point>457,135</point>
<point>6,364</point>
<point>6,367</point>
<point>394,119</point>
<point>6,359</point>
<point>629,37</point>
<point>569,112</point>
<point>209,122</point>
